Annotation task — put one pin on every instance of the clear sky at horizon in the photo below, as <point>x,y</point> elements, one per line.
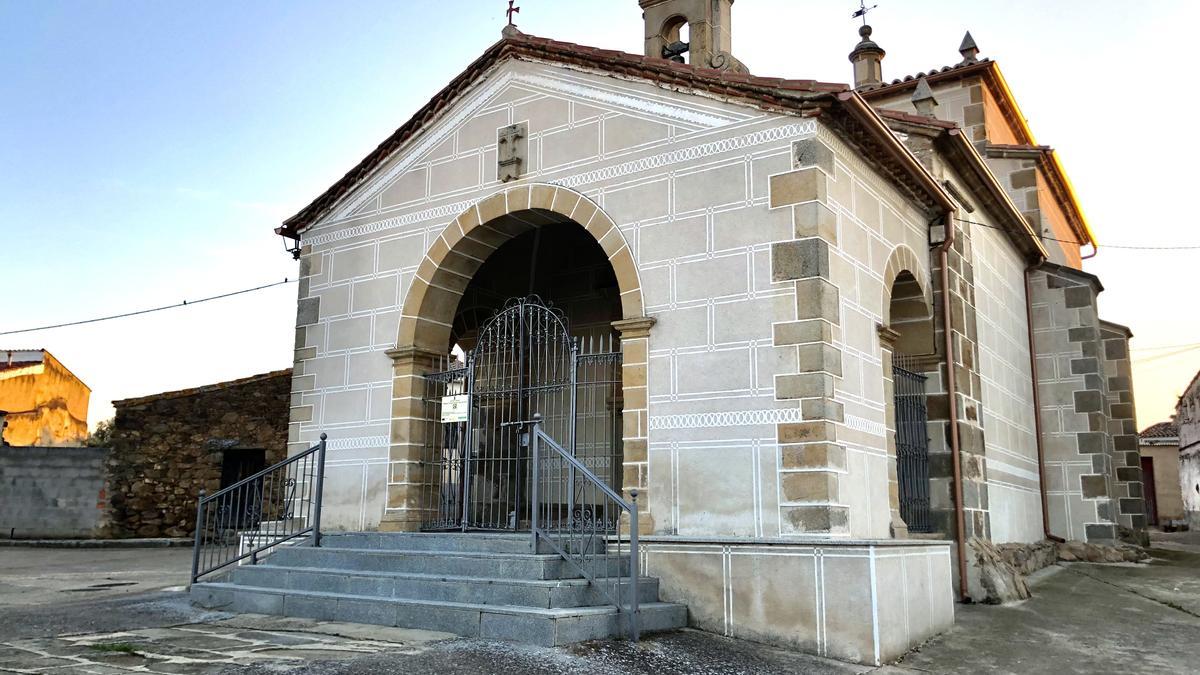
<point>147,149</point>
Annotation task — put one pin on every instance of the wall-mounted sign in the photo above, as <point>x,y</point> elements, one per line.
<point>454,408</point>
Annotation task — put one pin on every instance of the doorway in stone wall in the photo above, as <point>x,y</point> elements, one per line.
<point>551,352</point>
<point>910,343</point>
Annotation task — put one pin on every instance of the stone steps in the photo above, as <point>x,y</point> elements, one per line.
<point>453,563</point>
<point>478,585</point>
<point>540,626</point>
<point>548,593</point>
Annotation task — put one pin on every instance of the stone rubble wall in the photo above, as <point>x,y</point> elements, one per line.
<point>1003,570</point>
<point>166,448</point>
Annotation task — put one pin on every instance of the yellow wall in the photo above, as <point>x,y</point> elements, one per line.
<point>58,399</point>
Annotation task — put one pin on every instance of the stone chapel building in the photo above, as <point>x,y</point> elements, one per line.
<point>847,324</point>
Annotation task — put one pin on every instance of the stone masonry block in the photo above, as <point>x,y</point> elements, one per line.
<point>1093,486</point>
<point>815,519</point>
<point>806,432</point>
<point>823,409</point>
<point>812,152</point>
<point>809,486</point>
<point>308,311</point>
<point>814,219</point>
<point>1091,441</point>
<point>1078,296</point>
<point>1088,401</point>
<point>814,456</point>
<point>797,187</point>
<point>803,385</point>
<point>817,299</point>
<point>819,358</point>
<point>802,332</point>
<point>800,259</point>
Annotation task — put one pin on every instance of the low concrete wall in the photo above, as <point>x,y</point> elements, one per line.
<point>863,601</point>
<point>52,492</point>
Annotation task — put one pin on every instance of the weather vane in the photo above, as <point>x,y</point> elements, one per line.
<point>862,11</point>
<point>512,10</point>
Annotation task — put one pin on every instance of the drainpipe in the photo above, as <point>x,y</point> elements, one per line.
<point>1037,406</point>
<point>951,395</point>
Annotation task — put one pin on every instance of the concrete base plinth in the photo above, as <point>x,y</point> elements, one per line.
<point>867,601</point>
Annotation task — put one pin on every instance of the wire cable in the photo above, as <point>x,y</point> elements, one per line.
<point>185,303</point>
<point>1185,247</point>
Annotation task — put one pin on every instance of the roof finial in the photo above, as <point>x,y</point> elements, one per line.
<point>968,49</point>
<point>862,11</point>
<point>923,100</point>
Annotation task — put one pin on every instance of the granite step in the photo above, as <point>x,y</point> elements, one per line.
<point>471,542</point>
<point>488,590</point>
<point>451,563</point>
<point>534,625</point>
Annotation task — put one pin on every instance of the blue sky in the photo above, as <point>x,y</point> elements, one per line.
<point>148,148</point>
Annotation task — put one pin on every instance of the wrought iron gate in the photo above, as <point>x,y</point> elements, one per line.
<point>912,445</point>
<point>477,456</point>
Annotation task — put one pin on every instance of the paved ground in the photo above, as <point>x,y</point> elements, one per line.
<point>35,576</point>
<point>1083,619</point>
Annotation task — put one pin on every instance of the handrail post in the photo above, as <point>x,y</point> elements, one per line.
<point>196,546</point>
<point>536,448</point>
<point>634,573</point>
<point>319,487</point>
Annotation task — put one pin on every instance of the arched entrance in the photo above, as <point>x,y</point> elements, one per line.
<point>536,287</point>
<point>909,356</point>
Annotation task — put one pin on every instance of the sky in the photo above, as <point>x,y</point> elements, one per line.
<point>148,149</point>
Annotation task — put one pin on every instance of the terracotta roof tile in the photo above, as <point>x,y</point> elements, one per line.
<point>1160,430</point>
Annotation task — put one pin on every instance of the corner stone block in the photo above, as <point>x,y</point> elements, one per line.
<point>806,432</point>
<point>818,519</point>
<point>814,456</point>
<point>817,299</point>
<point>802,332</point>
<point>802,259</point>
<point>814,219</point>
<point>820,358</point>
<point>810,486</point>
<point>797,187</point>
<point>812,152</point>
<point>803,385</point>
<point>823,409</point>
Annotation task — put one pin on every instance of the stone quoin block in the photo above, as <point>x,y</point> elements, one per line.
<point>814,219</point>
<point>797,187</point>
<point>801,259</point>
<point>812,152</point>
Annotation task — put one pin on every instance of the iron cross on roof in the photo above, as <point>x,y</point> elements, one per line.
<point>510,11</point>
<point>862,11</point>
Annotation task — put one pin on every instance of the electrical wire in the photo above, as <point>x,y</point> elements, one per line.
<point>1186,247</point>
<point>1162,347</point>
<point>185,303</point>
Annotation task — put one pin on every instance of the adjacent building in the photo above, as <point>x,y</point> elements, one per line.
<point>1159,447</point>
<point>167,447</point>
<point>1187,417</point>
<point>41,401</point>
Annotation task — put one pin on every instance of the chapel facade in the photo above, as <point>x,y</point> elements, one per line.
<point>828,334</point>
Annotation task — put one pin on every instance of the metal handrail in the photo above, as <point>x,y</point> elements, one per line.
<point>584,532</point>
<point>274,491</point>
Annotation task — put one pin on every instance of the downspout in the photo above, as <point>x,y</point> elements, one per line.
<point>952,396</point>
<point>1037,407</point>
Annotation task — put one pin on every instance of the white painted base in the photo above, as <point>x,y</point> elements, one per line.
<point>866,601</point>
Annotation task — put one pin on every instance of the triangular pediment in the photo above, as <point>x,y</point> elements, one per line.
<point>570,115</point>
